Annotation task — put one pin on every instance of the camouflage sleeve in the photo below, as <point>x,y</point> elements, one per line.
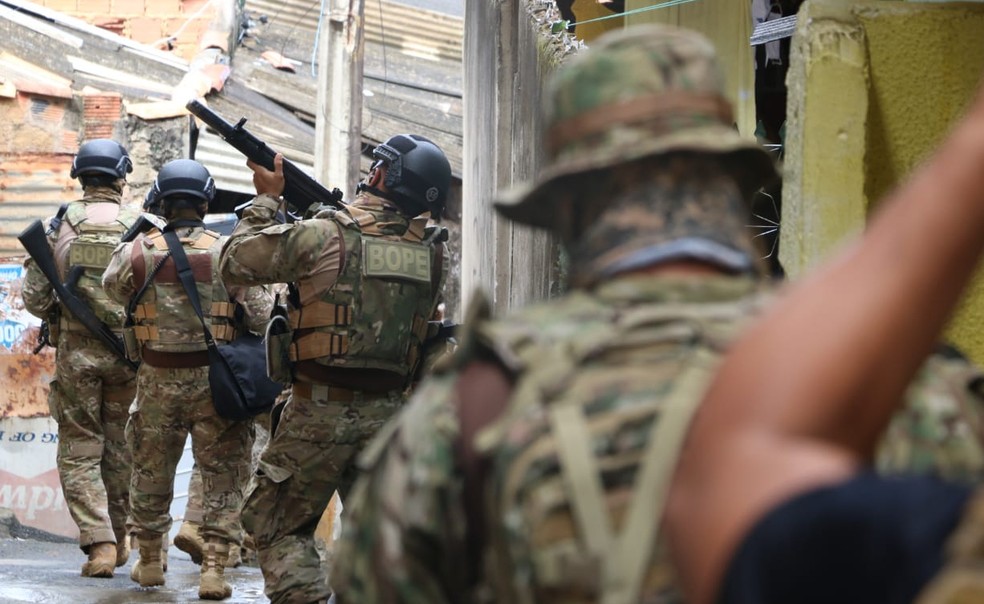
<point>117,279</point>
<point>261,251</point>
<point>257,302</point>
<point>940,430</point>
<point>404,528</point>
<point>38,295</point>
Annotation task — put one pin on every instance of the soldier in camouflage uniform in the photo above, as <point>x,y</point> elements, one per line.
<point>365,280</point>
<point>532,467</point>
<point>173,395</point>
<point>93,388</point>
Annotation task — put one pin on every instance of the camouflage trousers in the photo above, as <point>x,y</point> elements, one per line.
<point>195,510</point>
<point>170,404</point>
<point>312,451</point>
<point>89,399</point>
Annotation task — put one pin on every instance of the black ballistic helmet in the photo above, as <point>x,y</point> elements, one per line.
<point>184,177</point>
<point>101,156</point>
<point>418,173</point>
<point>150,205</point>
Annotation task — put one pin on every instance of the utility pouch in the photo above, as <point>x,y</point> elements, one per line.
<point>130,343</point>
<point>278,339</point>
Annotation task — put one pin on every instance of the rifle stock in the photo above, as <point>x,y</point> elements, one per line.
<point>35,241</point>
<point>300,190</point>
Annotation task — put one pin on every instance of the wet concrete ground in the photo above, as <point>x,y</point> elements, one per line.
<point>48,573</point>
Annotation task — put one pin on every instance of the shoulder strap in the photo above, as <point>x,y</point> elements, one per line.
<point>482,393</point>
<point>627,555</point>
<point>206,240</point>
<point>416,229</point>
<point>361,217</point>
<point>187,279</point>
<point>57,220</point>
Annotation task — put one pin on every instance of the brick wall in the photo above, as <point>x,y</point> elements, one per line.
<point>146,21</point>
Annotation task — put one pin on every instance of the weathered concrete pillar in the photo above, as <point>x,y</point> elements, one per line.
<point>338,126</point>
<point>873,88</point>
<point>506,58</point>
<point>823,192</point>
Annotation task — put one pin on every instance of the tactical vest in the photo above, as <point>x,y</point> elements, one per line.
<point>366,330</point>
<point>89,232</point>
<point>581,459</point>
<point>961,580</point>
<point>164,319</point>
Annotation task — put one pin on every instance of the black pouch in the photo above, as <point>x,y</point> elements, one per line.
<point>237,370</point>
<point>237,376</point>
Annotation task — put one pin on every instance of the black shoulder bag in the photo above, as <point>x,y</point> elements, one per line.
<point>237,370</point>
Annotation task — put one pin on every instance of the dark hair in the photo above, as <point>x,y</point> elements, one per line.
<point>95,179</point>
<point>173,204</point>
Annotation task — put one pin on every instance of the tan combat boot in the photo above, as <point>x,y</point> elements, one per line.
<point>122,549</point>
<point>189,540</point>
<point>149,569</point>
<point>213,585</point>
<point>235,558</point>
<point>102,560</point>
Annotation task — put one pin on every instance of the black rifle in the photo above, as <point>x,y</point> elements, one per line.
<point>35,241</point>
<point>142,225</point>
<point>44,337</point>
<point>300,190</point>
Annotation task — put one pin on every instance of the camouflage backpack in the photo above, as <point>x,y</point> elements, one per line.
<point>606,383</point>
<point>87,236</point>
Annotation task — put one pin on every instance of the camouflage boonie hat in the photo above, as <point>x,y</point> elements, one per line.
<point>637,92</point>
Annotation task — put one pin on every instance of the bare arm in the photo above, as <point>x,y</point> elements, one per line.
<point>806,392</point>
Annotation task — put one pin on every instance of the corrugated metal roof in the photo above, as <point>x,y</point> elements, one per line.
<point>776,29</point>
<point>228,166</point>
<point>428,34</point>
<point>404,93</point>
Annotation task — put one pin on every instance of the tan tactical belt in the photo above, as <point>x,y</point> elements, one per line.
<point>174,360</point>
<point>322,393</point>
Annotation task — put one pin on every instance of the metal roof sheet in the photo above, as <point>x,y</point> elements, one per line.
<point>776,29</point>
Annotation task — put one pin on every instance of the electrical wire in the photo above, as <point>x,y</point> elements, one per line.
<point>636,11</point>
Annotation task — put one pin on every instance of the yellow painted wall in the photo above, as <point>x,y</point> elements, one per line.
<point>874,86</point>
<point>590,9</point>
<point>728,24</point>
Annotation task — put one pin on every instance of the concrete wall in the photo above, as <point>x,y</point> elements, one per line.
<point>873,87</point>
<point>728,24</point>
<point>507,55</point>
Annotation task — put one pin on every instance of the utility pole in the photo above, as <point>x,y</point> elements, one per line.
<point>338,122</point>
